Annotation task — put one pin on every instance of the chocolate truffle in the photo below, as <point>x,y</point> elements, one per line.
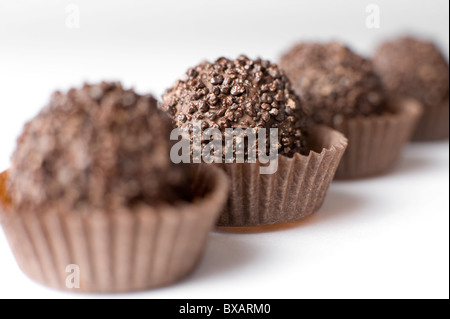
<point>99,146</point>
<point>243,93</point>
<point>414,68</point>
<point>332,82</point>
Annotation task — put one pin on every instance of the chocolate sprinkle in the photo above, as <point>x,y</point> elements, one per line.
<point>100,146</point>
<point>332,81</point>
<point>248,89</point>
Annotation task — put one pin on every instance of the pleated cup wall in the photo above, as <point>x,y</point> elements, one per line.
<point>296,190</point>
<point>117,251</point>
<point>375,143</point>
<point>434,124</point>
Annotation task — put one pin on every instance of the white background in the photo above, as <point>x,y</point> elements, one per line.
<point>386,237</point>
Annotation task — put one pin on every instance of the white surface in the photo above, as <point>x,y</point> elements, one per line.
<point>386,237</point>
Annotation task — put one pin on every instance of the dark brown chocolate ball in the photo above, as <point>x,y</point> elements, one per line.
<point>333,82</point>
<point>243,93</point>
<point>414,68</point>
<point>100,145</point>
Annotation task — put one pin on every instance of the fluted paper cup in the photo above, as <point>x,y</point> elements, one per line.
<point>119,251</point>
<point>296,190</point>
<point>434,124</point>
<point>375,143</point>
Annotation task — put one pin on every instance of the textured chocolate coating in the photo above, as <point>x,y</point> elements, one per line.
<point>414,68</point>
<point>100,146</point>
<point>333,82</point>
<point>243,93</point>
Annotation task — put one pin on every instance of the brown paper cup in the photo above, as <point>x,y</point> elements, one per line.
<point>434,124</point>
<point>375,143</point>
<point>296,190</point>
<point>117,251</point>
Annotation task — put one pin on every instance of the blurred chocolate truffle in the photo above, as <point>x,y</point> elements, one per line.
<point>332,82</point>
<point>98,146</point>
<point>341,89</point>
<point>243,93</point>
<point>414,68</point>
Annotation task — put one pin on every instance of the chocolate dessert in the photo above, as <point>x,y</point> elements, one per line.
<point>101,146</point>
<point>241,93</point>
<point>416,68</point>
<point>92,187</point>
<point>339,88</point>
<point>333,82</point>
<point>245,93</point>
